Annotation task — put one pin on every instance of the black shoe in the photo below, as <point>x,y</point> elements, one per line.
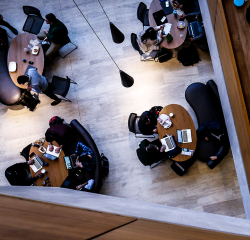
<point>14,31</point>
<point>56,102</point>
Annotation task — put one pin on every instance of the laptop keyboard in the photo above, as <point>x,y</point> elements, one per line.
<point>38,163</point>
<point>169,143</point>
<point>184,136</point>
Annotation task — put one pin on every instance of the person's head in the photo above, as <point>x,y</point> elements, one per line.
<point>50,18</point>
<point>50,137</point>
<point>55,121</point>
<point>22,79</point>
<point>146,120</point>
<point>1,17</point>
<point>84,158</point>
<point>150,33</point>
<point>152,148</point>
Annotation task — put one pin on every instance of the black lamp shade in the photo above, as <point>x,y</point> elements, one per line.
<point>127,81</point>
<point>117,35</point>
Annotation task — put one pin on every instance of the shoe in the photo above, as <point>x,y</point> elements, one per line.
<point>56,102</point>
<point>14,31</point>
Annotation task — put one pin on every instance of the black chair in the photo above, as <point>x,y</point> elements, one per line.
<point>133,120</point>
<point>19,174</point>
<point>34,20</point>
<point>60,86</point>
<point>142,14</point>
<point>143,56</point>
<point>25,152</point>
<point>181,168</point>
<point>69,51</point>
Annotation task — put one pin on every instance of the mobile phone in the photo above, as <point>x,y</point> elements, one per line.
<point>67,162</point>
<point>167,3</point>
<point>32,155</point>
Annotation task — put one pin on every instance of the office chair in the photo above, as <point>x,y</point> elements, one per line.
<point>143,56</point>
<point>25,152</point>
<point>142,14</point>
<point>60,86</point>
<point>34,20</point>
<point>133,126</point>
<point>19,174</point>
<point>65,47</point>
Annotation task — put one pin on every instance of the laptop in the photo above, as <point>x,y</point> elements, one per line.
<point>193,28</point>
<point>38,164</point>
<point>167,7</point>
<point>169,142</point>
<point>184,136</point>
<point>158,17</point>
<point>52,155</point>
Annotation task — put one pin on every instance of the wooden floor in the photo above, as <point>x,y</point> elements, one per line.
<point>103,105</point>
<point>240,35</point>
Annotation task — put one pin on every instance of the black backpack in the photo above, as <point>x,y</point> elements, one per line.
<point>188,56</point>
<point>163,55</point>
<point>248,14</point>
<point>28,100</point>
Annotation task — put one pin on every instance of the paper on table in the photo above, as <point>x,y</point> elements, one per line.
<point>180,12</point>
<point>34,42</point>
<point>167,28</point>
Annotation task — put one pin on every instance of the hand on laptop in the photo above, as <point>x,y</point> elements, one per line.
<point>30,162</point>
<point>163,147</point>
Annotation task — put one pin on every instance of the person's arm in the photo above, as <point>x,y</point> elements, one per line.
<point>202,129</point>
<point>79,149</point>
<point>192,14</point>
<point>81,186</point>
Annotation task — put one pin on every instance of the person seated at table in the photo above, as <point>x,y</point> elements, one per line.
<point>57,35</point>
<point>155,151</point>
<point>188,6</point>
<point>147,123</point>
<point>85,157</point>
<point>38,84</point>
<point>63,134</point>
<point>150,39</point>
<point>212,130</point>
<point>6,24</point>
<point>201,30</point>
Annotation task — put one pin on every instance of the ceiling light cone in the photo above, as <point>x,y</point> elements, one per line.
<point>117,35</point>
<point>127,81</point>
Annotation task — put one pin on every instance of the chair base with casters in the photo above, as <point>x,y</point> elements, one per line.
<point>63,56</point>
<point>133,120</point>
<point>60,86</point>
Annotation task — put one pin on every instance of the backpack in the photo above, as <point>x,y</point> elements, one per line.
<point>163,55</point>
<point>188,56</point>
<point>28,100</point>
<point>248,14</point>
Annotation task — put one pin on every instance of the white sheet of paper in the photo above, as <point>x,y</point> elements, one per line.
<point>167,28</point>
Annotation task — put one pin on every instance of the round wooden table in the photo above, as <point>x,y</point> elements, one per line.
<point>155,6</point>
<point>180,120</point>
<point>56,170</point>
<point>16,54</point>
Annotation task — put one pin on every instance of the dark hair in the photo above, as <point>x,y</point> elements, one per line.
<point>152,148</point>
<point>51,17</point>
<point>50,137</point>
<point>144,119</point>
<point>55,121</point>
<point>22,79</point>
<point>150,33</point>
<point>84,158</point>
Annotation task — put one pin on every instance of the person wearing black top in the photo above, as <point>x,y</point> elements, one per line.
<point>147,123</point>
<point>212,130</point>
<point>6,24</point>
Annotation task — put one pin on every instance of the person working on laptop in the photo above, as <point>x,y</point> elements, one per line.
<point>200,27</point>
<point>38,83</point>
<point>213,131</point>
<point>150,39</point>
<point>187,6</point>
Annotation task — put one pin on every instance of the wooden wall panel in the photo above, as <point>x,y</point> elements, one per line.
<point>24,220</point>
<point>233,83</point>
<point>149,230</point>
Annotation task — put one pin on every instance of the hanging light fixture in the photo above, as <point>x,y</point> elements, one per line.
<point>117,35</point>
<point>127,81</point>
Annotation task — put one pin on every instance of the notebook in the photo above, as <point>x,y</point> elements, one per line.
<point>184,136</point>
<point>38,164</point>
<point>169,9</point>
<point>52,155</point>
<point>169,142</point>
<point>158,16</point>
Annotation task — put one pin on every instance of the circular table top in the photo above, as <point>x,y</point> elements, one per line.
<point>155,6</point>
<point>56,170</point>
<point>16,54</point>
<point>180,120</point>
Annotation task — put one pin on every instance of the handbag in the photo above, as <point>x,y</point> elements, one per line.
<point>163,55</point>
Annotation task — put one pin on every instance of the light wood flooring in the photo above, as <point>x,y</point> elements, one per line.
<point>103,105</point>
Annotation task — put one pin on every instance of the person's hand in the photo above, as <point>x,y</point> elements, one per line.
<point>213,158</point>
<point>181,6</point>
<point>191,39</point>
<point>163,147</point>
<point>30,162</point>
<point>28,88</point>
<point>206,138</point>
<point>90,156</point>
<point>39,175</point>
<point>162,27</point>
<point>46,32</point>
<point>51,148</point>
<point>78,187</point>
<point>155,130</point>
<point>79,164</point>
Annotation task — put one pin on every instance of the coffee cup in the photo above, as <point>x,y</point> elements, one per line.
<point>171,115</point>
<point>43,171</point>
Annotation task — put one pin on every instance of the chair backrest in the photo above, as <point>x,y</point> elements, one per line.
<point>140,11</point>
<point>60,85</point>
<point>33,24</point>
<point>31,10</point>
<point>134,43</point>
<point>131,122</point>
